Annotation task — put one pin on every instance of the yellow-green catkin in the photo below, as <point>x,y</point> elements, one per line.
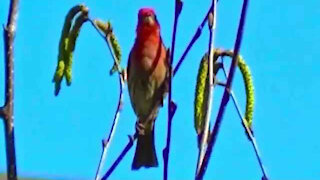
<point>117,51</point>
<point>102,26</point>
<point>74,33</point>
<point>202,91</point>
<point>249,88</point>
<point>202,88</point>
<point>247,78</point>
<point>63,44</point>
<point>201,95</point>
<point>115,47</point>
<point>107,29</point>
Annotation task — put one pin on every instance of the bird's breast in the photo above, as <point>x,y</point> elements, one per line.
<point>150,53</point>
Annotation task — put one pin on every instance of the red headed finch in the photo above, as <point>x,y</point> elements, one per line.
<point>147,83</point>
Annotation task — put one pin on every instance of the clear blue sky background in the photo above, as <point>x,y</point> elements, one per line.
<point>60,137</point>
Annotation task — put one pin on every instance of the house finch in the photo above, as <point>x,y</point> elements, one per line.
<point>147,84</point>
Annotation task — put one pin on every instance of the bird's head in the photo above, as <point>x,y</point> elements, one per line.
<point>148,26</point>
<point>147,18</point>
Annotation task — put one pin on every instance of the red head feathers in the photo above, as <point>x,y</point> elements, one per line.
<point>147,24</point>
<point>146,12</point>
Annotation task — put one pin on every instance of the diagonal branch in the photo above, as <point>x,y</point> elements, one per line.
<point>7,111</point>
<point>192,41</point>
<point>123,153</point>
<point>226,94</point>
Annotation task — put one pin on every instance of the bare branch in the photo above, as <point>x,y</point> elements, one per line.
<point>106,142</point>
<point>7,110</point>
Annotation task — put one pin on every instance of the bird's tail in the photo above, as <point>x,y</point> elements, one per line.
<point>145,155</point>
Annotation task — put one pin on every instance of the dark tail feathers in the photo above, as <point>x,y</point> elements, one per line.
<point>145,155</point>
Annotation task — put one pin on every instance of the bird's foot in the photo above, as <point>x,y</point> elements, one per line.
<point>140,128</point>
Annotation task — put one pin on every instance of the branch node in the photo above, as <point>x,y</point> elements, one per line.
<point>103,142</point>
<point>165,153</point>
<point>173,107</point>
<point>210,20</point>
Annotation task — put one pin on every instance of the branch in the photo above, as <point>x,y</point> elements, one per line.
<point>171,105</point>
<point>226,94</point>
<point>7,110</point>
<point>204,139</point>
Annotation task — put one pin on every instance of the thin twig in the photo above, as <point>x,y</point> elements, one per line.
<point>204,139</point>
<point>7,109</point>
<point>123,153</point>
<point>171,105</point>
<point>226,94</point>
<point>106,142</point>
<point>193,40</point>
<point>249,132</point>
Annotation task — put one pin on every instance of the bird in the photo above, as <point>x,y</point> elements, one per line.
<point>147,78</point>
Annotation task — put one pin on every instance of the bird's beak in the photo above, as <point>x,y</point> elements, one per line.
<point>148,20</point>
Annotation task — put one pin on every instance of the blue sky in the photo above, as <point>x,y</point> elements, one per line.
<point>60,137</point>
